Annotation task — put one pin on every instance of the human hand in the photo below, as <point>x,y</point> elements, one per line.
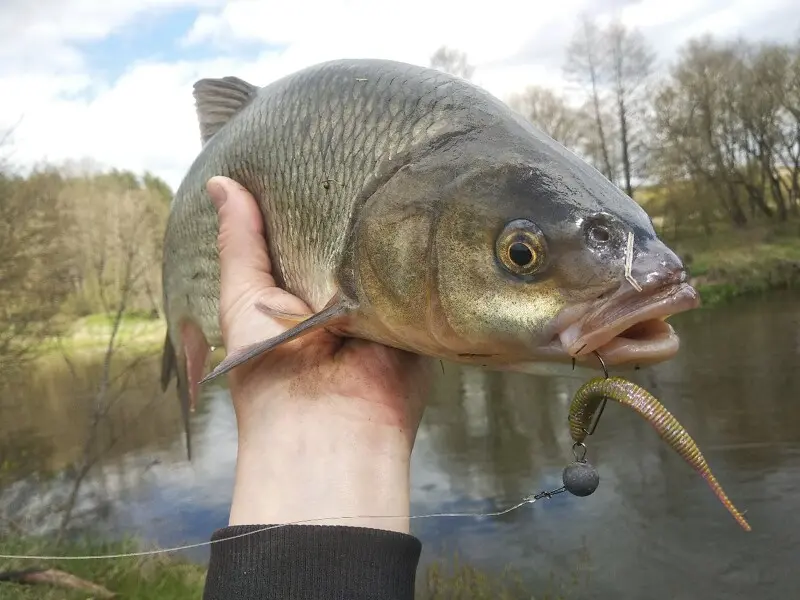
<point>326,424</point>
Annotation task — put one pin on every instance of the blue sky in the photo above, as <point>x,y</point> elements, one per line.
<point>144,39</point>
<point>109,83</point>
<point>159,38</point>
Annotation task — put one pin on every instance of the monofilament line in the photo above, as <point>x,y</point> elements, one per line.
<point>629,264</point>
<point>526,500</point>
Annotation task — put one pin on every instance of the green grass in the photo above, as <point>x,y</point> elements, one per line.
<point>732,264</point>
<point>162,577</point>
<point>166,577</point>
<point>91,333</point>
<point>456,580</point>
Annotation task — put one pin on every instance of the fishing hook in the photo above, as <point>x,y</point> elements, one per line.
<point>592,428</point>
<point>602,362</point>
<point>600,358</point>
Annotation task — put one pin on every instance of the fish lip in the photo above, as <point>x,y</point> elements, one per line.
<point>600,327</point>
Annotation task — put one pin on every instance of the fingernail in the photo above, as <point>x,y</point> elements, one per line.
<point>217,192</point>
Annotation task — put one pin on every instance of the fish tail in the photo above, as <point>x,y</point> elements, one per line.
<point>174,366</point>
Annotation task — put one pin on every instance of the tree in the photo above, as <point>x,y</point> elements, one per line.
<point>551,113</point>
<point>630,63</point>
<point>614,65</point>
<point>452,61</point>
<point>726,119</point>
<point>584,66</point>
<point>33,266</point>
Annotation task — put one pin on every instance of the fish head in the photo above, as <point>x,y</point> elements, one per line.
<point>545,260</point>
<point>522,260</point>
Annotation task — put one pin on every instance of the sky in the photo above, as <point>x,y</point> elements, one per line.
<point>104,83</point>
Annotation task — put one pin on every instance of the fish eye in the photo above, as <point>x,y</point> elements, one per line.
<point>520,254</point>
<point>521,247</point>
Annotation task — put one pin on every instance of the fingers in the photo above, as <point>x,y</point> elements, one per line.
<point>244,260</point>
<point>245,269</point>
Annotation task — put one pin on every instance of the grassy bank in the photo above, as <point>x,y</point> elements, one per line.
<point>152,578</point>
<point>732,264</point>
<point>166,577</point>
<point>137,332</point>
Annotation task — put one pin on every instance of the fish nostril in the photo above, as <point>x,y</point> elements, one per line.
<point>601,230</point>
<point>599,234</point>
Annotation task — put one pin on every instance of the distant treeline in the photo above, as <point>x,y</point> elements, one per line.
<point>75,244</point>
<point>713,137</point>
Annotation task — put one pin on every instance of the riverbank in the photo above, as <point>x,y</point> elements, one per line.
<point>167,577</point>
<point>160,577</point>
<point>733,264</point>
<point>136,333</point>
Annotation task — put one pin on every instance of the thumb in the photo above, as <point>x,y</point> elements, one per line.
<point>245,268</point>
<point>244,261</point>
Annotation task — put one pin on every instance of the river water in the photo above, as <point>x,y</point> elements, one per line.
<point>653,529</point>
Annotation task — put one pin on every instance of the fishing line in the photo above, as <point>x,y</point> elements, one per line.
<point>526,500</point>
<point>579,478</point>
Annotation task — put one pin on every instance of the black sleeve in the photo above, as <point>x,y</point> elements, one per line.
<point>312,561</point>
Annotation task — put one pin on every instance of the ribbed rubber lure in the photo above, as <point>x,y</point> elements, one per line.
<point>589,398</point>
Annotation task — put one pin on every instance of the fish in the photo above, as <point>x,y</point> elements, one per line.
<point>588,399</point>
<point>412,208</point>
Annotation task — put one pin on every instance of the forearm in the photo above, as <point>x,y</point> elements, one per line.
<point>304,461</point>
<point>301,461</point>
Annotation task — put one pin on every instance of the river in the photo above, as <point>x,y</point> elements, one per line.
<point>653,529</point>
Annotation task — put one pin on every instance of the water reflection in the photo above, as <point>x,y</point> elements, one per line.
<point>487,440</point>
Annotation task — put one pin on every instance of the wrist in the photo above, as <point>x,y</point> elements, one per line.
<point>322,459</point>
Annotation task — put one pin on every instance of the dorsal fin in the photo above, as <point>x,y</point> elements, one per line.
<point>218,100</point>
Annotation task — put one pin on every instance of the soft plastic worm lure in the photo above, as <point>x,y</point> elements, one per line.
<point>589,398</point>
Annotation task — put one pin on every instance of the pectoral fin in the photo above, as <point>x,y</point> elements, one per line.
<point>335,310</point>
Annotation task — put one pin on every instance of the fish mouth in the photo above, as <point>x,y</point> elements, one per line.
<point>630,325</point>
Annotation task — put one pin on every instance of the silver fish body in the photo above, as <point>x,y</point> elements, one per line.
<point>405,202</point>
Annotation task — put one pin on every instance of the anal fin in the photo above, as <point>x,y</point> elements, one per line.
<point>196,351</point>
<point>173,365</point>
<point>183,397</point>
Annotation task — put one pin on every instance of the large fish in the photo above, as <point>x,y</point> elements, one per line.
<point>412,208</point>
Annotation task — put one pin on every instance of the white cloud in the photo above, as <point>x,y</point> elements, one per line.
<point>37,35</point>
<point>145,119</point>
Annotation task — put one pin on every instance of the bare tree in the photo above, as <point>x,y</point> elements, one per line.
<point>584,65</point>
<point>630,62</point>
<point>121,262</point>
<point>452,61</point>
<point>727,120</point>
<point>551,113</point>
<point>32,266</point>
<point>695,122</point>
<point>613,65</point>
